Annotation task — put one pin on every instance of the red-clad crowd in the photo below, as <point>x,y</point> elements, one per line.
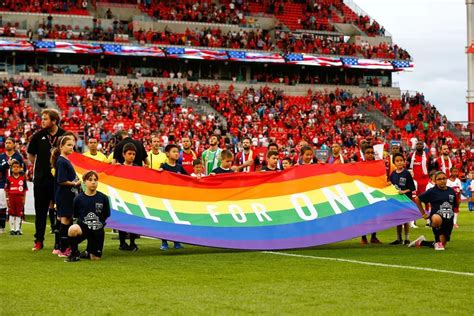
<point>46,6</point>
<point>209,37</point>
<point>266,115</point>
<point>204,11</point>
<point>101,108</point>
<point>333,45</point>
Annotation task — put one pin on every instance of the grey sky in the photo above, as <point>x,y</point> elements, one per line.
<point>434,33</point>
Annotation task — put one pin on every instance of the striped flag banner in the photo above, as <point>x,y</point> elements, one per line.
<point>22,45</point>
<point>132,50</point>
<point>305,59</point>
<point>194,53</point>
<point>403,65</point>
<point>67,47</point>
<point>351,62</point>
<point>301,207</point>
<point>255,57</point>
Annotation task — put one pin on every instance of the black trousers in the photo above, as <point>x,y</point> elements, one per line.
<point>43,194</point>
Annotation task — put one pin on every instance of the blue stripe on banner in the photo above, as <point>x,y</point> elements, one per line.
<point>331,224</point>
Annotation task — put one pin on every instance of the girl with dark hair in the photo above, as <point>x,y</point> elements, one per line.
<point>67,187</point>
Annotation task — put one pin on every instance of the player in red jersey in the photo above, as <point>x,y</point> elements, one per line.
<point>187,155</point>
<point>420,164</point>
<point>444,163</point>
<point>15,190</point>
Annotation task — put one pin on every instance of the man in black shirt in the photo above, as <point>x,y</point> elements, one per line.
<point>141,157</point>
<point>39,153</point>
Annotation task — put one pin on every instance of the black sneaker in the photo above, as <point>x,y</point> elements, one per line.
<point>84,255</point>
<point>125,247</point>
<point>396,242</point>
<point>406,242</point>
<point>72,258</point>
<point>18,232</point>
<point>12,233</point>
<point>133,247</point>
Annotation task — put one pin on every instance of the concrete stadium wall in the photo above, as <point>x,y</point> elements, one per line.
<point>301,89</point>
<point>33,20</point>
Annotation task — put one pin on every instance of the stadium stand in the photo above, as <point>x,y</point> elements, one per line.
<point>101,107</point>
<point>46,6</point>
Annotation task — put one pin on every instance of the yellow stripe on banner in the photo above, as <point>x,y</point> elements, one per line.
<point>338,193</point>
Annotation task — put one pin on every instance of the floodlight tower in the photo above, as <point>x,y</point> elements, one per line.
<point>470,65</point>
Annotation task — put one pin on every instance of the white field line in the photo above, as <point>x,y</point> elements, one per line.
<point>396,266</point>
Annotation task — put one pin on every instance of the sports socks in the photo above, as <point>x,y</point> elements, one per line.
<point>64,238</point>
<point>3,217</point>
<point>12,223</point>
<point>455,218</point>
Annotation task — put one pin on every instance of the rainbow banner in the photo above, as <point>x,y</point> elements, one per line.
<point>301,207</point>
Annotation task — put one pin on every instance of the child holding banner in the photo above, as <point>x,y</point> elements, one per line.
<point>272,162</point>
<point>198,169</point>
<point>369,155</point>
<point>226,163</point>
<point>91,208</point>
<point>129,152</point>
<point>307,156</point>
<point>287,163</point>
<point>403,182</point>
<point>443,202</point>
<point>172,152</point>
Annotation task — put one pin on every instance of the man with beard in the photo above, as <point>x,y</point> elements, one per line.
<point>336,154</point>
<point>187,155</point>
<point>419,162</point>
<point>6,160</point>
<point>211,157</point>
<point>39,154</point>
<point>246,160</point>
<point>359,156</point>
<point>444,163</point>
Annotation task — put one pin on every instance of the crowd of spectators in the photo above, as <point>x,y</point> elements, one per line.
<point>205,11</point>
<point>209,37</point>
<point>335,45</point>
<point>17,118</point>
<point>101,108</point>
<point>46,6</point>
<point>96,32</point>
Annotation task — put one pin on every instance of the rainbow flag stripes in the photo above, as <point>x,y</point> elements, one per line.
<point>301,207</point>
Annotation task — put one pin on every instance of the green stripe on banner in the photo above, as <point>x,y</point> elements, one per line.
<point>251,219</point>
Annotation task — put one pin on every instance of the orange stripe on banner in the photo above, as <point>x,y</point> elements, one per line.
<point>218,194</point>
<point>240,179</point>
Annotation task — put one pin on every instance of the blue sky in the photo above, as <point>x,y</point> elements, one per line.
<point>434,33</point>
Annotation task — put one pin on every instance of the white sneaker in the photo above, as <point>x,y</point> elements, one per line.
<point>413,226</point>
<point>438,246</point>
<point>2,230</point>
<point>417,242</point>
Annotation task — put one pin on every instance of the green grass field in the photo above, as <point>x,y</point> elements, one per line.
<point>202,280</point>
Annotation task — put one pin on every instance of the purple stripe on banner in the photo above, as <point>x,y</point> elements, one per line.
<point>383,222</point>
